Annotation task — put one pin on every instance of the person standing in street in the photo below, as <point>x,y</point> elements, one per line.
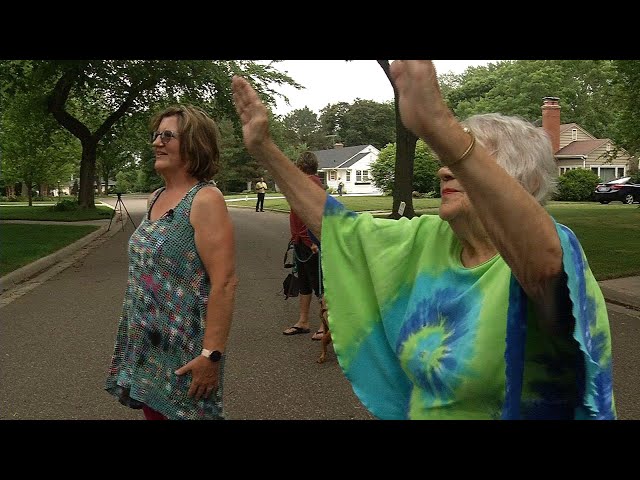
<point>469,314</point>
<point>261,189</point>
<point>169,353</point>
<point>307,255</point>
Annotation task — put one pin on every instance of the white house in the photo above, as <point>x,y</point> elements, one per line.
<point>351,165</point>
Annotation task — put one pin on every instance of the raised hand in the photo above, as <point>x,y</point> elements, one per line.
<point>420,99</point>
<point>253,114</point>
<point>423,110</point>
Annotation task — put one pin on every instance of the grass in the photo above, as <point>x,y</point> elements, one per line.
<point>23,243</point>
<point>252,195</point>
<point>357,204</point>
<point>47,213</point>
<point>609,234</point>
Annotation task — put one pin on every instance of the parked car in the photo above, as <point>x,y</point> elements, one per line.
<point>621,190</point>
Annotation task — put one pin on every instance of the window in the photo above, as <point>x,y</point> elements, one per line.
<point>348,176</point>
<point>607,174</point>
<point>574,134</point>
<point>332,174</point>
<point>564,170</point>
<point>362,176</point>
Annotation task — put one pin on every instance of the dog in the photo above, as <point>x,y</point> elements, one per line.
<point>326,338</point>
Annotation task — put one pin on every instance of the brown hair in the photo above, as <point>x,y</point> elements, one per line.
<point>308,163</point>
<point>199,139</point>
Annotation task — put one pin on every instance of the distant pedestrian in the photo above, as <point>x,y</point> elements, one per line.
<point>340,187</point>
<point>261,189</point>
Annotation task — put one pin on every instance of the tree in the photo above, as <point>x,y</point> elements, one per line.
<point>405,152</point>
<point>518,87</point>
<point>368,122</point>
<point>123,87</point>
<point>36,150</point>
<point>331,120</point>
<point>303,123</point>
<point>628,95</point>
<point>425,177</point>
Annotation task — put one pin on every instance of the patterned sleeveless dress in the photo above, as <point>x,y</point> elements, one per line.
<point>163,318</point>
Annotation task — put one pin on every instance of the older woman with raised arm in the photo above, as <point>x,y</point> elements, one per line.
<point>488,310</point>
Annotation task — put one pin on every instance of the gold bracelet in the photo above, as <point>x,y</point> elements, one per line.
<point>467,152</point>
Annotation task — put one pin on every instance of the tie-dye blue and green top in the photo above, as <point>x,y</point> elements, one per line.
<point>420,336</point>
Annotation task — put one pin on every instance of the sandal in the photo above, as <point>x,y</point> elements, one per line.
<point>296,330</point>
<point>318,335</point>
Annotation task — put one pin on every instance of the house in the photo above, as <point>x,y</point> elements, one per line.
<point>351,165</point>
<point>574,147</point>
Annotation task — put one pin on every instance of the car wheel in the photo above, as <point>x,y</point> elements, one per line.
<point>604,202</point>
<point>628,199</point>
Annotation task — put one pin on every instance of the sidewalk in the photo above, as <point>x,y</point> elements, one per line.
<point>622,291</point>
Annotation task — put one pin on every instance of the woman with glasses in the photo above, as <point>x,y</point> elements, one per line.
<point>488,310</point>
<point>169,358</point>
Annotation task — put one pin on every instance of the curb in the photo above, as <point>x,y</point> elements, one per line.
<point>22,274</point>
<point>612,295</point>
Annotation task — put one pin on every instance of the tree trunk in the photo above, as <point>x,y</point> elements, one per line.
<point>403,177</point>
<point>86,195</point>
<point>28,184</point>
<point>405,154</point>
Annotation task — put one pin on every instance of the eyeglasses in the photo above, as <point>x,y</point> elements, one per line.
<point>165,136</point>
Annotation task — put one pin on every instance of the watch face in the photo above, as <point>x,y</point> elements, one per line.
<point>215,356</point>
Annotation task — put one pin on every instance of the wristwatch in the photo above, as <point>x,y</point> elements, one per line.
<point>213,355</point>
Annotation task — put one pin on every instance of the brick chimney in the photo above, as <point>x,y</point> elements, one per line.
<point>338,145</point>
<point>551,120</point>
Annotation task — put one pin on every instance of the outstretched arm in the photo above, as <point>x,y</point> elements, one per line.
<point>516,223</point>
<point>303,196</point>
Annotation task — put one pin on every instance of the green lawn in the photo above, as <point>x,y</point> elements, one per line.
<point>357,204</point>
<point>23,244</point>
<point>609,234</point>
<point>46,212</point>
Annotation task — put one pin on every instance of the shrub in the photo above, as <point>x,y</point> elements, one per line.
<point>577,185</point>
<point>65,205</point>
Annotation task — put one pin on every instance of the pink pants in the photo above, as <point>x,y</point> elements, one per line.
<point>150,414</point>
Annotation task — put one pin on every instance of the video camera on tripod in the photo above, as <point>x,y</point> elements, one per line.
<point>118,208</point>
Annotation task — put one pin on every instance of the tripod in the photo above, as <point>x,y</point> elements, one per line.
<point>118,207</point>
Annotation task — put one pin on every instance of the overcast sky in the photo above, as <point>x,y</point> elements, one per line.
<point>333,81</point>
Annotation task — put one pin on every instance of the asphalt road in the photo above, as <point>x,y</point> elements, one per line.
<point>56,339</point>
